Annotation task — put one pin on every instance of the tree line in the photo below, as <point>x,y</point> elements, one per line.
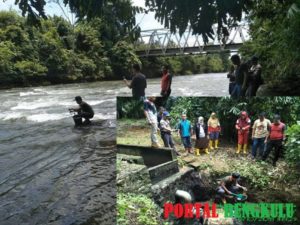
<point>56,51</point>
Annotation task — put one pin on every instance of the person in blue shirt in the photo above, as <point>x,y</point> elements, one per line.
<point>185,132</point>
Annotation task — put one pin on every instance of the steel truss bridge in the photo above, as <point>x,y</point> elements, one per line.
<point>161,42</point>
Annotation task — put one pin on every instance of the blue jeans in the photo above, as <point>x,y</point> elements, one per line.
<point>237,90</point>
<point>214,135</point>
<point>186,141</point>
<point>258,143</point>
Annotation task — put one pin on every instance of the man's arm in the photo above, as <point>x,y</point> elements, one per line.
<point>169,82</point>
<point>74,109</point>
<point>283,131</point>
<point>253,129</point>
<point>179,129</point>
<point>269,131</point>
<point>128,84</point>
<point>240,186</point>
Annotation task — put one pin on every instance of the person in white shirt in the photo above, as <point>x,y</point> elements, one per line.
<point>259,134</point>
<point>151,116</point>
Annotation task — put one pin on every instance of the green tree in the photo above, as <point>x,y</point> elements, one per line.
<point>275,30</point>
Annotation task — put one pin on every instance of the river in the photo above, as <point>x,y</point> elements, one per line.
<point>53,173</point>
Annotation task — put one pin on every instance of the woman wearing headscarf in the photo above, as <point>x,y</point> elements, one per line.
<point>200,130</point>
<point>214,129</point>
<point>243,126</point>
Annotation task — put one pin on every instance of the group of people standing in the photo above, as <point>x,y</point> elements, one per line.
<point>244,78</point>
<point>266,136</point>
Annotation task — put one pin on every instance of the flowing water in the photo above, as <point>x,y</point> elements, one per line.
<point>213,84</point>
<point>53,173</point>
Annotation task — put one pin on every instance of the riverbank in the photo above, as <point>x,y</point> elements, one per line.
<point>264,182</point>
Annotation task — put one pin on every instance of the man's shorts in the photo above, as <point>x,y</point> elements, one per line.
<point>186,141</point>
<point>214,135</point>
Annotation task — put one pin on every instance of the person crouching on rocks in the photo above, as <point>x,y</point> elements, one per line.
<point>84,111</point>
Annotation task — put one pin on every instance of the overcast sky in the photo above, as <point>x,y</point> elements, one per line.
<point>145,21</point>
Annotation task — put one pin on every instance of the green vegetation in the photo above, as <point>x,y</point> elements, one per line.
<point>227,109</point>
<point>137,209</point>
<point>186,65</point>
<point>58,52</point>
<point>293,145</point>
<point>275,30</point>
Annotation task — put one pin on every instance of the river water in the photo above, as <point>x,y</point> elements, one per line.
<point>53,173</point>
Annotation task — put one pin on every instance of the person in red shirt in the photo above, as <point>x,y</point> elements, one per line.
<point>243,126</point>
<point>276,137</point>
<point>166,81</point>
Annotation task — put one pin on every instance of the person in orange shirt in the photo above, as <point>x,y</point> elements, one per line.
<point>214,129</point>
<point>166,81</point>
<point>275,139</point>
<point>243,126</point>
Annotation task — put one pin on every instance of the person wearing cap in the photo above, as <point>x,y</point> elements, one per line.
<point>138,83</point>
<point>229,185</point>
<point>84,111</point>
<point>150,113</point>
<point>255,77</point>
<point>200,131</point>
<point>214,129</point>
<point>259,133</point>
<point>166,131</point>
<point>185,132</point>
<point>275,139</point>
<point>243,126</point>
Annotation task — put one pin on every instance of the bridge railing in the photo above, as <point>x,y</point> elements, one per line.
<point>162,42</point>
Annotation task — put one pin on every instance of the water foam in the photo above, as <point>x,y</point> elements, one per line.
<point>44,117</point>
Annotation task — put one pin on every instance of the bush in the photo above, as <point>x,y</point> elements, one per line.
<point>136,209</point>
<point>293,145</point>
<point>254,173</point>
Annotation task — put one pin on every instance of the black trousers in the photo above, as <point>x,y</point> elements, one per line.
<point>86,115</point>
<point>277,146</point>
<point>168,140</point>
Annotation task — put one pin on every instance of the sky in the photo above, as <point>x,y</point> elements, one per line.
<point>146,22</point>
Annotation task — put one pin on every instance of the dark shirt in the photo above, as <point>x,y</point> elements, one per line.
<point>197,130</point>
<point>84,107</point>
<point>240,73</point>
<point>138,85</point>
